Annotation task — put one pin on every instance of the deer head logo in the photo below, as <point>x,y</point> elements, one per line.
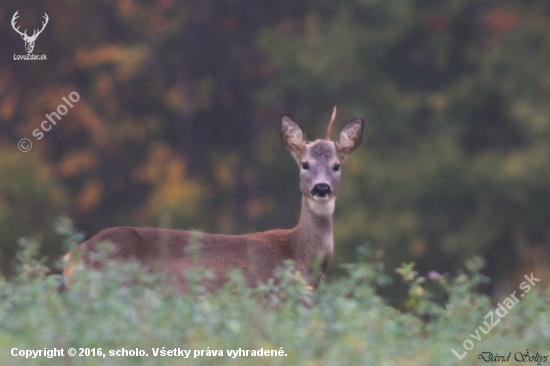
<point>29,40</point>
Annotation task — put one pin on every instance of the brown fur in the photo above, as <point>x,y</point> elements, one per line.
<point>256,254</point>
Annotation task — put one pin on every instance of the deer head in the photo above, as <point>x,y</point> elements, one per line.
<point>29,40</point>
<point>320,160</point>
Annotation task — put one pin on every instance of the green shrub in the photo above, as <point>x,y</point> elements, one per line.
<point>342,322</point>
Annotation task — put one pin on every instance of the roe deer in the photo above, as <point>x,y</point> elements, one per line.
<point>309,244</point>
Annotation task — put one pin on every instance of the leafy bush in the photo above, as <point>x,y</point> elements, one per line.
<point>344,321</point>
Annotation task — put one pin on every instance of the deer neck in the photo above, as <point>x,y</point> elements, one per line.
<point>314,236</point>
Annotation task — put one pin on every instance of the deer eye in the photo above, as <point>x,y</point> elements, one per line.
<point>305,166</point>
<point>336,167</point>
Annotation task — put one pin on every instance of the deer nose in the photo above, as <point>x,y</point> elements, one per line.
<point>321,190</point>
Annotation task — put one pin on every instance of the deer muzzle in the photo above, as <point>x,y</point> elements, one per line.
<point>321,190</point>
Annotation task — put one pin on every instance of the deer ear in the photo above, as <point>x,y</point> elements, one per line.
<point>350,137</point>
<point>293,136</point>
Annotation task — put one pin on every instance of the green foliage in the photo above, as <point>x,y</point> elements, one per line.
<point>71,237</point>
<point>427,298</point>
<point>30,266</point>
<point>343,321</point>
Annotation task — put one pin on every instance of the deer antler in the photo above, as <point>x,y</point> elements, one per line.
<point>35,34</point>
<point>13,19</point>
<point>329,129</point>
<point>24,34</point>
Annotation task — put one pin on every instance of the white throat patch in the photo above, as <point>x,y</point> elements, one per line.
<point>322,206</point>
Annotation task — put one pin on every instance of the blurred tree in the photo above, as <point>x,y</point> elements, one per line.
<point>177,124</point>
<point>456,140</point>
<point>31,198</point>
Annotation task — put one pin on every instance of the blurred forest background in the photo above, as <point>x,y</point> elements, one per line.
<point>177,122</point>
